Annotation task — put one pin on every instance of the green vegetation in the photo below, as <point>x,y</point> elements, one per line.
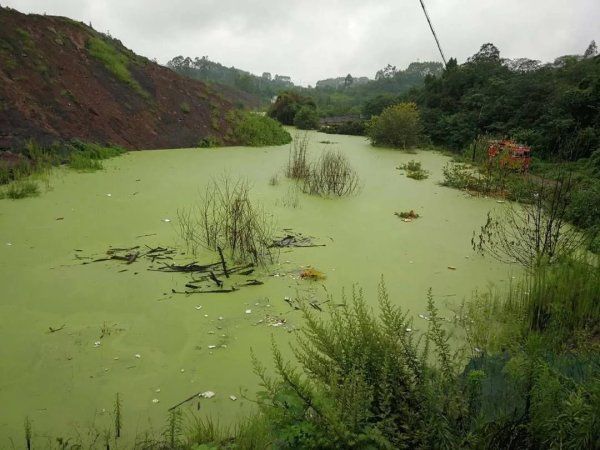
<point>306,118</point>
<point>288,105</point>
<point>20,189</point>
<point>397,126</point>
<point>20,175</point>
<point>115,61</point>
<point>414,170</point>
<point>549,107</point>
<point>185,108</point>
<point>256,130</point>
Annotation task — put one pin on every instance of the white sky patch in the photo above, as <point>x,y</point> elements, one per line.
<point>316,39</point>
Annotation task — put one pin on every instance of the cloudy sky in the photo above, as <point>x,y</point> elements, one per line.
<point>314,39</point>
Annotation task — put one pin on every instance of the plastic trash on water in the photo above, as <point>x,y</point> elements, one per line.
<point>208,394</point>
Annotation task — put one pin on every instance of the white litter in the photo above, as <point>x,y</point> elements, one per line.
<point>220,317</point>
<point>158,390</point>
<point>248,311</point>
<point>166,220</point>
<point>232,398</point>
<point>199,307</point>
<point>287,299</point>
<point>97,344</point>
<point>138,356</point>
<point>208,394</point>
<point>109,195</point>
<point>212,346</point>
<point>205,315</point>
<point>9,243</point>
<point>408,330</point>
<point>155,400</point>
<point>182,370</point>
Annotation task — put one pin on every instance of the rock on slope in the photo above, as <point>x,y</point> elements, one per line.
<point>60,79</point>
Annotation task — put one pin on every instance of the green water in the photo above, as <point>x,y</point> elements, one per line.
<point>65,384</point>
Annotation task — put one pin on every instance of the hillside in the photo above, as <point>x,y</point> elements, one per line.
<point>60,80</point>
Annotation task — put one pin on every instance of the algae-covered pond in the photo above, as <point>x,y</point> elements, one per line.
<point>124,331</point>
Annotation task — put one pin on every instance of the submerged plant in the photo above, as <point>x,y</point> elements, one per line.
<point>227,219</point>
<point>118,418</point>
<point>414,170</point>
<point>298,166</point>
<point>28,433</point>
<point>332,174</point>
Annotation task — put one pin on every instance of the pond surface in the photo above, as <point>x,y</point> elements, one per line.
<point>66,382</point>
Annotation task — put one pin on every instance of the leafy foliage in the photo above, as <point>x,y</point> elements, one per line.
<point>256,130</point>
<point>306,118</point>
<point>397,126</point>
<point>547,106</point>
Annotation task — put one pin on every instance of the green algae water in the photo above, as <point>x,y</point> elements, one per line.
<point>124,331</point>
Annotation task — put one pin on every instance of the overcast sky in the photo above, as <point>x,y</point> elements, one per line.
<point>314,39</point>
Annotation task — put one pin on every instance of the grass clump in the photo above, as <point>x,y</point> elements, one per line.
<point>414,170</point>
<point>86,156</point>
<point>115,62</point>
<point>256,130</point>
<point>20,189</point>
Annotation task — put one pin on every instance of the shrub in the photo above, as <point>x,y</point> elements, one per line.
<point>306,118</point>
<point>362,381</point>
<point>332,174</point>
<point>256,130</point>
<point>397,126</point>
<point>414,170</point>
<point>534,233</point>
<point>209,142</point>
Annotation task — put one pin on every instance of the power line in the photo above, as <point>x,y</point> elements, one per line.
<point>433,31</point>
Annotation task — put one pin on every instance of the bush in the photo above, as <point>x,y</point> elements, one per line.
<point>397,126</point>
<point>256,130</point>
<point>332,174</point>
<point>306,118</point>
<point>209,142</point>
<point>84,163</point>
<point>414,170</point>
<point>352,128</point>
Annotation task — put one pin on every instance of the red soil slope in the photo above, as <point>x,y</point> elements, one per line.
<point>54,86</point>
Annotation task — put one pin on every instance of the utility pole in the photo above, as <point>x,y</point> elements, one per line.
<point>433,31</point>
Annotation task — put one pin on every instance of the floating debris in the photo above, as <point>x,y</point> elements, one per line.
<point>233,398</point>
<point>208,394</point>
<point>109,195</point>
<point>451,267</point>
<point>295,240</point>
<point>97,344</point>
<point>199,307</point>
<point>9,243</point>
<point>157,390</point>
<point>248,311</point>
<point>312,274</point>
<point>138,356</point>
<point>408,330</point>
<point>155,400</point>
<point>212,346</point>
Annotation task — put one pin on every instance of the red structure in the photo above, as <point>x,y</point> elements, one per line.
<point>510,154</point>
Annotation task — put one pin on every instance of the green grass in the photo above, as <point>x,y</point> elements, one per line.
<point>115,62</point>
<point>20,189</point>
<point>83,163</point>
<point>414,170</point>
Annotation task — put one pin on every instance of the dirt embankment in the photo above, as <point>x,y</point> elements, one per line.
<point>60,80</point>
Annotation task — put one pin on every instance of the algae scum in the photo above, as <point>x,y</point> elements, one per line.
<point>73,335</point>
